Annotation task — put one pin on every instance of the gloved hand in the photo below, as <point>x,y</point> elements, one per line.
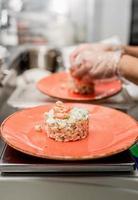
<point>93,47</point>
<point>91,65</point>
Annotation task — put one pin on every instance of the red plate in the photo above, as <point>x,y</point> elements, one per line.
<point>110,132</point>
<point>57,85</point>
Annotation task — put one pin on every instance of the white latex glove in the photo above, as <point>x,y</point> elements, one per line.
<point>96,65</point>
<point>93,47</point>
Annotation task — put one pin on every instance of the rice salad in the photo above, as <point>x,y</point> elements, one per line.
<point>63,123</point>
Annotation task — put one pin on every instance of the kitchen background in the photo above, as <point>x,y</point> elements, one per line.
<point>66,22</point>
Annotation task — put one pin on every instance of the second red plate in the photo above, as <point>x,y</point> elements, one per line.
<point>57,85</point>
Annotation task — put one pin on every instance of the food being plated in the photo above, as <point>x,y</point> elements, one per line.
<point>63,123</point>
<point>81,86</point>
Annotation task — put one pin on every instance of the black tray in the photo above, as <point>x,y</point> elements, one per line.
<point>13,161</point>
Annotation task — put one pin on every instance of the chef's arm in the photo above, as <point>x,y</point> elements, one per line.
<point>128,67</point>
<point>131,50</point>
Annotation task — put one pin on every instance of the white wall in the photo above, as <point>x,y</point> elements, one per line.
<point>111,17</point>
<point>96,20</point>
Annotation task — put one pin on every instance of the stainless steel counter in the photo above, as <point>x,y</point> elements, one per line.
<point>75,188</point>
